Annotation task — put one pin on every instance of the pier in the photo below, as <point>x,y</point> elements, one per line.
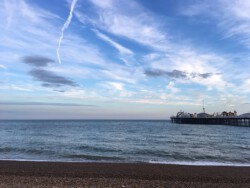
<point>234,121</point>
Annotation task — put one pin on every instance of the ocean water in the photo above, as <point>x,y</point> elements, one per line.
<point>124,141</point>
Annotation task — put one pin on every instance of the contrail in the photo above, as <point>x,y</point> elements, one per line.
<point>65,26</point>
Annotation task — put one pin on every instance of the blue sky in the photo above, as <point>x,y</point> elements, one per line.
<point>119,59</point>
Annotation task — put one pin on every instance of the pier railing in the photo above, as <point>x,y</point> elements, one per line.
<point>235,121</point>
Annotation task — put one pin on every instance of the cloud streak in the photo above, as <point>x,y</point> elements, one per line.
<point>120,48</point>
<point>3,67</point>
<point>65,26</point>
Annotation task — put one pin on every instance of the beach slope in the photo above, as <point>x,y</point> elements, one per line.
<point>59,174</point>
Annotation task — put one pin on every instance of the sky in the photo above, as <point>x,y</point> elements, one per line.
<point>119,59</point>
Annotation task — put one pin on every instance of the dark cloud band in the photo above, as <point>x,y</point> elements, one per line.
<point>37,61</point>
<point>43,104</point>
<point>173,74</point>
<point>177,74</point>
<point>50,79</point>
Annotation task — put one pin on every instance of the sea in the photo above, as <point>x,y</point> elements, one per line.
<point>124,141</point>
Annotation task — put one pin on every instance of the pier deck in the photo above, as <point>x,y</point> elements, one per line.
<point>234,121</point>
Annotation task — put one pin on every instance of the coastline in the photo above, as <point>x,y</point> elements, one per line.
<point>65,174</point>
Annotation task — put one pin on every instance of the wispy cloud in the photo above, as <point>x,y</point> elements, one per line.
<point>236,20</point>
<point>232,18</point>
<point>20,9</point>
<point>171,86</point>
<point>115,85</point>
<point>118,73</point>
<point>19,88</point>
<point>15,87</point>
<point>128,20</point>
<point>125,54</point>
<point>245,87</point>
<point>3,67</point>
<point>117,89</point>
<point>195,9</point>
